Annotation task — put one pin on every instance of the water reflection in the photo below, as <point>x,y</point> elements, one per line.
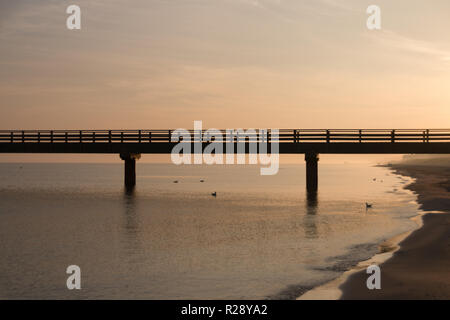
<point>310,223</point>
<point>311,202</point>
<point>131,224</point>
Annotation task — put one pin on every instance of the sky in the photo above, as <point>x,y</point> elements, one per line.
<point>158,64</point>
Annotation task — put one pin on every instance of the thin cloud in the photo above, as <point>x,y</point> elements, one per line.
<point>398,41</point>
<point>294,11</point>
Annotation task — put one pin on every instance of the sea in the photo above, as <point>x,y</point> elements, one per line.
<point>260,237</point>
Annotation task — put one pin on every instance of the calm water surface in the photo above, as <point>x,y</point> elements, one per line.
<point>260,238</point>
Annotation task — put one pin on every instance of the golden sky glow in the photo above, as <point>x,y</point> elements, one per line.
<point>230,63</point>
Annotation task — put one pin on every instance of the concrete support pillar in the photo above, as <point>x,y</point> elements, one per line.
<point>312,160</point>
<point>130,168</point>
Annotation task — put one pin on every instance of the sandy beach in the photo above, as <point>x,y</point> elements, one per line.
<point>420,268</point>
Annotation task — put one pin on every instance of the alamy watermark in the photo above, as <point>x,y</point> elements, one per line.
<point>74,280</point>
<point>374,281</point>
<point>230,147</point>
<point>374,20</point>
<point>73,22</point>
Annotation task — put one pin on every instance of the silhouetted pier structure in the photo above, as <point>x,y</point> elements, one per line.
<point>130,144</point>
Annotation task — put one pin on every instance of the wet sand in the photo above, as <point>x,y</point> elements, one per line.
<point>420,269</point>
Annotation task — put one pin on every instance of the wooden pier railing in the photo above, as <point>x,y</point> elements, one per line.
<point>284,136</point>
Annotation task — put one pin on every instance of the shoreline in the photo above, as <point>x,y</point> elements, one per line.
<point>432,187</point>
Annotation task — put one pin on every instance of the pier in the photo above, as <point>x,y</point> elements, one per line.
<point>130,144</point>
